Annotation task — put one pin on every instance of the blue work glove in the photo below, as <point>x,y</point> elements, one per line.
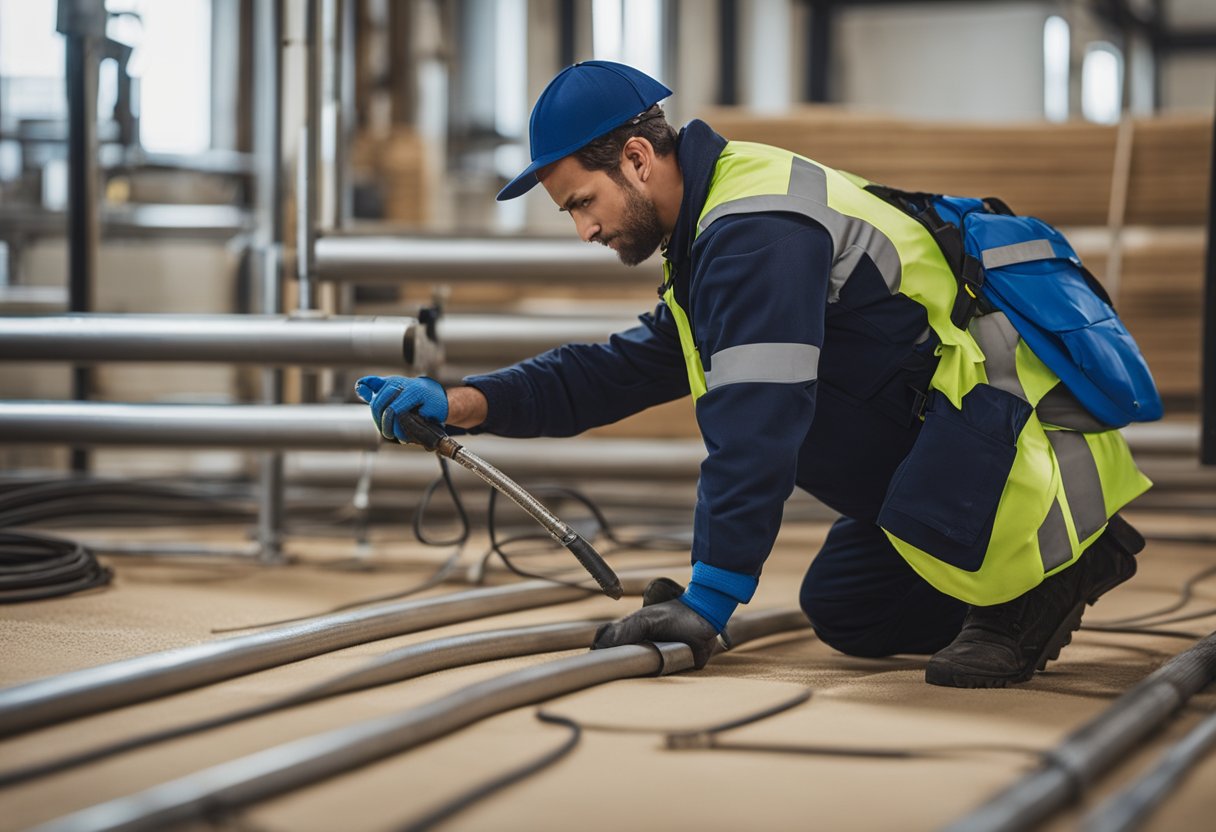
<point>663,617</point>
<point>394,396</point>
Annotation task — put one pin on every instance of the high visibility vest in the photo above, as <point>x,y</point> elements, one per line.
<point>1062,486</point>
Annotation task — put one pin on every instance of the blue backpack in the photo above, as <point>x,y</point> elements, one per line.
<point>1025,268</point>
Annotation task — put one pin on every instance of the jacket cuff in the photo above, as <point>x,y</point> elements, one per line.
<point>735,585</point>
<point>710,604</point>
<point>714,593</point>
<point>498,402</point>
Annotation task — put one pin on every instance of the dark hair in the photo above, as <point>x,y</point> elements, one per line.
<point>604,153</point>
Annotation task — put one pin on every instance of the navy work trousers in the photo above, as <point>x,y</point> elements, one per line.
<point>864,600</point>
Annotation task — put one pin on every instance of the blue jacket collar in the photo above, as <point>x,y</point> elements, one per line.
<point>697,148</point>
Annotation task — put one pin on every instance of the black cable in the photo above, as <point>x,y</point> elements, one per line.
<point>604,528</point>
<point>481,792</point>
<point>1142,631</point>
<point>434,579</point>
<point>34,567</point>
<point>937,752</point>
<point>1185,594</point>
<point>424,503</point>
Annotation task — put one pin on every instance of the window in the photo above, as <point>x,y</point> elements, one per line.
<point>1057,52</point>
<point>642,20</point>
<point>1102,83</point>
<point>172,60</point>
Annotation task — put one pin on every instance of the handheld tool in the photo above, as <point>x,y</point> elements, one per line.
<point>432,437</point>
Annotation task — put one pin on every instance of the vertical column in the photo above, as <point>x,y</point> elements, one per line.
<point>268,149</point>
<point>728,53</point>
<point>819,50</point>
<point>83,23</point>
<point>1207,439</point>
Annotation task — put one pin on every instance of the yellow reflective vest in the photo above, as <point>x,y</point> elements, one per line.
<point>1057,487</point>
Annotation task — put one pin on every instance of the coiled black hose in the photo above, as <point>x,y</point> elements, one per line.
<point>33,567</point>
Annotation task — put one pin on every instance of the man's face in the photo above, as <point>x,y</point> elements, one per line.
<point>614,214</point>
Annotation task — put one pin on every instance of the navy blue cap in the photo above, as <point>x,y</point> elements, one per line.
<point>582,103</point>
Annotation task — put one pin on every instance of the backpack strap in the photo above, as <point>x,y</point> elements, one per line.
<point>968,273</point>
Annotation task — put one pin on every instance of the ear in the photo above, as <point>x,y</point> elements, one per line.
<point>638,156</point>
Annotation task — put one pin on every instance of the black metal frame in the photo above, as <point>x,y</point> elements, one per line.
<point>1207,381</point>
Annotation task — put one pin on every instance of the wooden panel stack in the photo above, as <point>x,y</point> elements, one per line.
<point>1060,172</point>
<point>396,165</point>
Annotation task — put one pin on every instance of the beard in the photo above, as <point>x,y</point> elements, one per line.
<point>641,232</point>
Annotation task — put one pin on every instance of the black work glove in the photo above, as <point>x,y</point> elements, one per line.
<point>661,618</point>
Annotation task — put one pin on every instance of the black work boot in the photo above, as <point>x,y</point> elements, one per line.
<point>1006,643</point>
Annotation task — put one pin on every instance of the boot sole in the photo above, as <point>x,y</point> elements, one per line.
<point>1060,639</point>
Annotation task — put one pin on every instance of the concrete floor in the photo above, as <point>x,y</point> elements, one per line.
<point>612,780</point>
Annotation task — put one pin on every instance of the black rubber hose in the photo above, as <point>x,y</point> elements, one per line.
<point>491,787</point>
<point>34,567</point>
<point>273,771</point>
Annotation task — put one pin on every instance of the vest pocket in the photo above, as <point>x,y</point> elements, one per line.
<point>943,496</point>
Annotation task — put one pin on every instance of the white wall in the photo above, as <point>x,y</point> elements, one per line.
<point>943,60</point>
<point>1188,79</point>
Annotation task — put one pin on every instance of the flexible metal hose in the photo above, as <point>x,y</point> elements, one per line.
<point>70,695</point>
<point>1130,808</point>
<point>1098,745</point>
<point>299,763</point>
<point>398,665</point>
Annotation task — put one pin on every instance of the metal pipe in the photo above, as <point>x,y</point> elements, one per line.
<point>1130,808</point>
<point>666,460</point>
<point>565,261</point>
<point>308,152</point>
<point>71,695</point>
<point>348,427</point>
<point>271,772</point>
<point>396,666</point>
<point>260,339</point>
<point>201,426</point>
<point>268,137</point>
<point>504,339</point>
<point>1074,765</point>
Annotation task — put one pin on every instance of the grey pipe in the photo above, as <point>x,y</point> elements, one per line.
<point>189,425</point>
<point>396,666</point>
<point>308,760</point>
<point>565,261</point>
<point>499,340</point>
<point>652,460</point>
<point>257,339</point>
<point>1130,808</point>
<point>70,695</point>
<point>1086,754</point>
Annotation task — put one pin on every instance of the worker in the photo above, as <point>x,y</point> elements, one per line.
<point>810,322</point>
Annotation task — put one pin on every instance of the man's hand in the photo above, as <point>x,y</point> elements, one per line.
<point>662,618</point>
<point>392,397</point>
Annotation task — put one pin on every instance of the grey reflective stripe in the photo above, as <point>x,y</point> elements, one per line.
<point>1014,253</point>
<point>777,363</point>
<point>851,237</point>
<point>999,342</point>
<point>1054,546</point>
<point>1061,409</point>
<point>1082,486</point>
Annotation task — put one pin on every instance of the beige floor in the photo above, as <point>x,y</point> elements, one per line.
<point>613,780</point>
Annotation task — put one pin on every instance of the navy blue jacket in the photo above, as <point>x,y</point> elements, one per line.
<point>751,278</point>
